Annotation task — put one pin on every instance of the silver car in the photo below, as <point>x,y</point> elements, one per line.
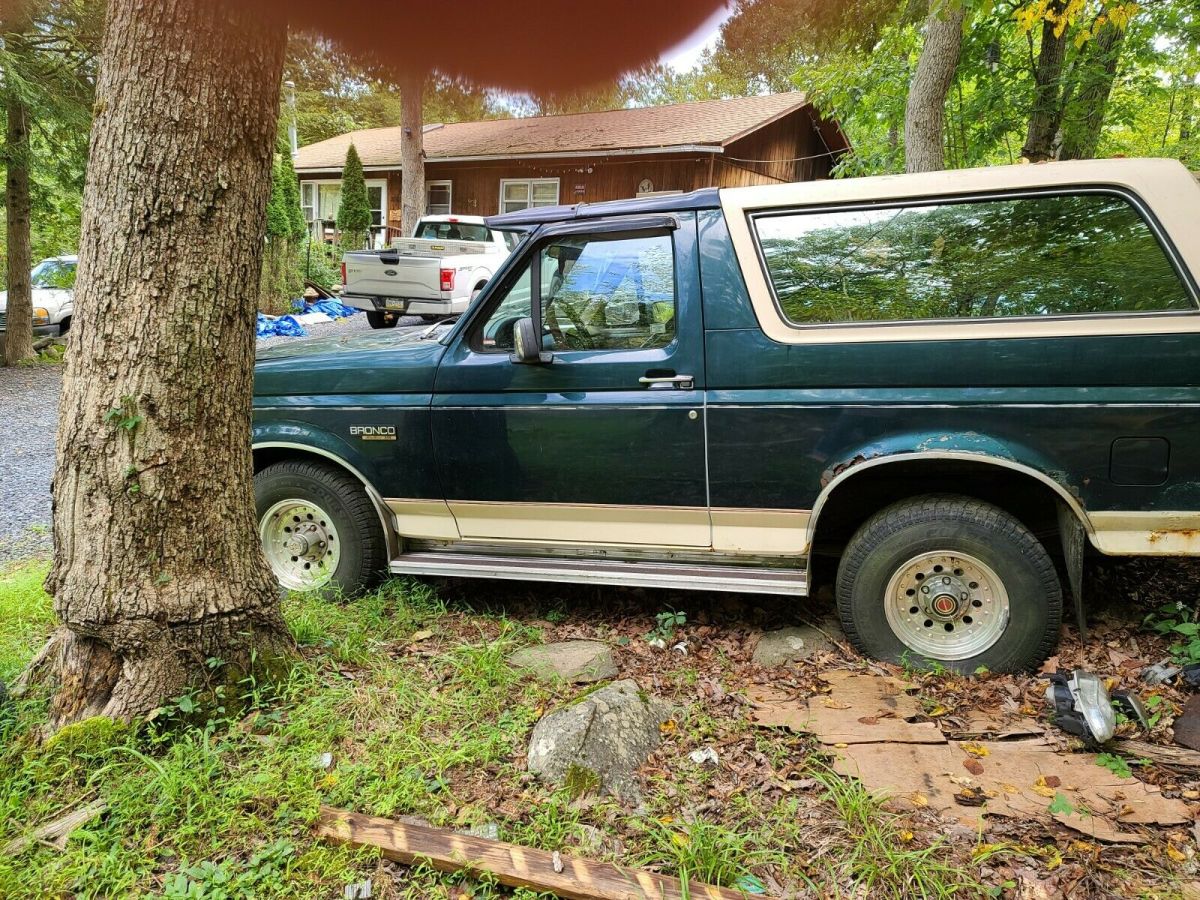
<point>53,296</point>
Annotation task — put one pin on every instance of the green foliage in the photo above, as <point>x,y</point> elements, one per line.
<point>54,77</point>
<point>336,94</point>
<point>229,879</point>
<point>1115,764</point>
<point>665,624</point>
<point>705,852</point>
<point>1178,619</point>
<point>883,859</point>
<point>1060,806</point>
<point>354,211</point>
<point>25,615</point>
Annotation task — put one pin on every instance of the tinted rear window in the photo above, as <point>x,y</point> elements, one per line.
<point>1079,254</point>
<point>452,231</point>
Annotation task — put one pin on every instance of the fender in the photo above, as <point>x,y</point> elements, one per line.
<point>290,435</point>
<point>969,447</point>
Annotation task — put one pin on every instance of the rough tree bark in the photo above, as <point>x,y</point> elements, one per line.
<point>1083,120</point>
<point>1046,115</point>
<point>157,565</point>
<point>412,154</point>
<point>18,337</point>
<point>925,113</point>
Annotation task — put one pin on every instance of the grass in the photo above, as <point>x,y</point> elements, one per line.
<point>25,615</point>
<point>422,716</point>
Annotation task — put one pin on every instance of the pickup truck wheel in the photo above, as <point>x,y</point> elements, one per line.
<point>318,528</point>
<point>952,581</point>
<point>382,319</point>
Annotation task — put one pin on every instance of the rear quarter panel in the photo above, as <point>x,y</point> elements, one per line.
<point>790,409</point>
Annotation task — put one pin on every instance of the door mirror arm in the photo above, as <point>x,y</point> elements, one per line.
<point>527,348</point>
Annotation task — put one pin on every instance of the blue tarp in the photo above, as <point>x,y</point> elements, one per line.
<point>332,308</point>
<point>283,326</point>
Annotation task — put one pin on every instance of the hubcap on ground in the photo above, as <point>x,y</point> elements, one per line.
<point>300,543</point>
<point>946,605</point>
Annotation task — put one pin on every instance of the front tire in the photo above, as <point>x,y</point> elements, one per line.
<point>951,581</point>
<point>319,529</point>
<point>382,319</point>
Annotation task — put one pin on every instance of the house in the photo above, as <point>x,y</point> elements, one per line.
<point>501,165</point>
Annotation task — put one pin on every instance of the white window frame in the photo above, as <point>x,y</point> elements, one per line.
<point>449,186</point>
<point>317,182</point>
<point>529,183</point>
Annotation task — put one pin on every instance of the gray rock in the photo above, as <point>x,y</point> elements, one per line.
<point>597,744</point>
<point>488,831</point>
<point>778,648</point>
<point>576,661</point>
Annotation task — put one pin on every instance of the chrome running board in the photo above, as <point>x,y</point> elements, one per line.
<point>791,582</point>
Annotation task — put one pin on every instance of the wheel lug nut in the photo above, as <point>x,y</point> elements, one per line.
<point>945,581</point>
<point>963,595</point>
<point>925,590</point>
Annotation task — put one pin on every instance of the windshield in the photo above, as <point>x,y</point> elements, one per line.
<point>54,273</point>
<point>452,231</point>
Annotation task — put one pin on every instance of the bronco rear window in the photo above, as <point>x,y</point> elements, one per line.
<point>1042,255</point>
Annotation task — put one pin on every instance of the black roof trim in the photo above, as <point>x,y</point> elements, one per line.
<point>705,198</point>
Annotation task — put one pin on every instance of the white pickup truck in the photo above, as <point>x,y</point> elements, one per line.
<point>433,274</point>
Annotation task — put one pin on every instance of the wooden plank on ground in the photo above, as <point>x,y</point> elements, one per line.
<point>57,832</point>
<point>1164,755</point>
<point>510,864</point>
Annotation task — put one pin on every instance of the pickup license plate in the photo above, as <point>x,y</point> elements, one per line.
<point>394,304</point>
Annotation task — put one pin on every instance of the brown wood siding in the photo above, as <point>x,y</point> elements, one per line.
<point>789,149</point>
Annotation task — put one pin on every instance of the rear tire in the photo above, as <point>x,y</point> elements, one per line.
<point>951,581</point>
<point>382,319</point>
<point>319,529</point>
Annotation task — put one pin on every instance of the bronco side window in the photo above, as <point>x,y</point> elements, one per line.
<point>1048,255</point>
<point>598,292</point>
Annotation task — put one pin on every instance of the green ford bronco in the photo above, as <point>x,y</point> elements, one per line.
<point>938,393</point>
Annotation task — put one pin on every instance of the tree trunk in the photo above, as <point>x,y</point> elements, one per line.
<point>18,336</point>
<point>412,154</point>
<point>1046,116</point>
<point>925,113</point>
<point>157,568</point>
<point>1187,106</point>
<point>1083,120</point>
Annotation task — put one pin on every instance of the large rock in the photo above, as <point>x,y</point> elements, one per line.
<point>597,744</point>
<point>577,661</point>
<point>778,648</point>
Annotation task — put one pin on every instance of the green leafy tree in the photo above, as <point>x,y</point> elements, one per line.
<point>354,211</point>
<point>282,272</point>
<point>47,68</point>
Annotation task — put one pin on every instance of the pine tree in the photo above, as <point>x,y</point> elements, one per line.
<point>354,213</point>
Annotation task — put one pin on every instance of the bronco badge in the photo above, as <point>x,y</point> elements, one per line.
<point>373,432</point>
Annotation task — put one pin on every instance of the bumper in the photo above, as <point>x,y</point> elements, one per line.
<point>401,306</point>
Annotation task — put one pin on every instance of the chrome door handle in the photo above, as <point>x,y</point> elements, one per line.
<point>666,382</point>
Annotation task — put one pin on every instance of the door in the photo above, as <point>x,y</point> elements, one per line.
<point>602,443</point>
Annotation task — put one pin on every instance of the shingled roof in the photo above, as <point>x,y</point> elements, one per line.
<point>707,124</point>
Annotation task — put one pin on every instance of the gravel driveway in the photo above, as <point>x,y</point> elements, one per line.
<point>28,419</point>
<point>29,413</point>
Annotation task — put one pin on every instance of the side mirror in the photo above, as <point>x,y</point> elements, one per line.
<point>527,349</point>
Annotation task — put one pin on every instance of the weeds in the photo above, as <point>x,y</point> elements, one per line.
<point>882,856</point>
<point>665,625</point>
<point>1178,620</point>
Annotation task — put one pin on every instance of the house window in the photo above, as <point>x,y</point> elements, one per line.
<point>320,201</point>
<point>437,198</point>
<point>516,194</point>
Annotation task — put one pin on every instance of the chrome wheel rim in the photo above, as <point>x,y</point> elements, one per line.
<point>946,606</point>
<point>301,544</point>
